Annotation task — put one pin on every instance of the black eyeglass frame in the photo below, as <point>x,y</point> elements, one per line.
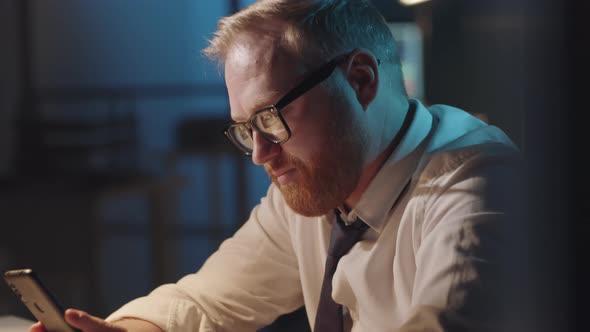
<point>310,81</point>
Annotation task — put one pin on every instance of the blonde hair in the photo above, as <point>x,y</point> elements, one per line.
<point>313,30</point>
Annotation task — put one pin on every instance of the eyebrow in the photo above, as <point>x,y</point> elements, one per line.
<point>262,102</point>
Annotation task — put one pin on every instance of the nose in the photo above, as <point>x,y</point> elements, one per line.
<point>263,150</point>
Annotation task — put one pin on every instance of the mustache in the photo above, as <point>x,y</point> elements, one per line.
<point>280,162</point>
<point>283,162</point>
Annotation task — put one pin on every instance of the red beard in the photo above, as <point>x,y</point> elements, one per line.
<point>323,183</point>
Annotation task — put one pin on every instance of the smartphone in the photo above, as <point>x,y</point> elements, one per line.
<point>38,299</point>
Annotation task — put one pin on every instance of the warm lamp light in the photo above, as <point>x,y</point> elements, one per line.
<point>411,2</point>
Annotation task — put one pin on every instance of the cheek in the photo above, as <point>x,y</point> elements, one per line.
<point>316,122</point>
<point>310,138</point>
<point>316,118</point>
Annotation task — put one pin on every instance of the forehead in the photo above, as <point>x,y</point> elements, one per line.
<point>258,72</point>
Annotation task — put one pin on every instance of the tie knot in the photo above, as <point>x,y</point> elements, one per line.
<point>344,237</point>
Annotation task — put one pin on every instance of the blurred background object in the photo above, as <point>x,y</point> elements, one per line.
<point>115,176</point>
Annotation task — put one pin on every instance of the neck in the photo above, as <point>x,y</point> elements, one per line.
<point>367,176</point>
<point>370,171</point>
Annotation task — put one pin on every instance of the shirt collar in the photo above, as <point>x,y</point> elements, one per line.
<point>384,190</point>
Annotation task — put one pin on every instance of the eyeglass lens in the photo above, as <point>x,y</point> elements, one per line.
<point>267,122</point>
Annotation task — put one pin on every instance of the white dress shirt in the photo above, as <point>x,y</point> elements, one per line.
<point>428,246</point>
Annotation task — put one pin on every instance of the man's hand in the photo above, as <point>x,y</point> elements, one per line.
<point>88,323</point>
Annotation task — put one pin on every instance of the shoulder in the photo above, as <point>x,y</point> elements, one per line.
<point>472,170</point>
<point>454,186</point>
<point>450,165</point>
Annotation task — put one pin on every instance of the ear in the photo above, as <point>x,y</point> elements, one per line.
<point>362,73</point>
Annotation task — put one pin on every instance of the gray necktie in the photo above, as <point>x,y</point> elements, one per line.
<point>329,315</point>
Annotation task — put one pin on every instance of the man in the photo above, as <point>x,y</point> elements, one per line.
<point>317,98</point>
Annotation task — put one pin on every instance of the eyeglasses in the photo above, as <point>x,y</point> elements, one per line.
<point>268,121</point>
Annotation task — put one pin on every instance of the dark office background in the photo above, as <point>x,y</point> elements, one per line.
<point>115,177</point>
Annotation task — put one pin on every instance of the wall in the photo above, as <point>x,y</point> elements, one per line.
<point>10,81</point>
<point>89,47</point>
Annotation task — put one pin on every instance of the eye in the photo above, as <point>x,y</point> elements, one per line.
<point>268,119</point>
<point>244,133</point>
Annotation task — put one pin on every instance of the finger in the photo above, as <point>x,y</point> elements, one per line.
<point>88,323</point>
<point>37,327</point>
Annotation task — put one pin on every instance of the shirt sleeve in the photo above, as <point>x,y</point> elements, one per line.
<point>247,283</point>
<point>463,246</point>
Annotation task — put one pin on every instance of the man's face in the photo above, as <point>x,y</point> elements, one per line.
<point>319,166</point>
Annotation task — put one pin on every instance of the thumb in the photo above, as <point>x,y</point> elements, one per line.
<point>88,323</point>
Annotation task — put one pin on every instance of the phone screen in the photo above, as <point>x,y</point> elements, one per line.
<point>36,297</point>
